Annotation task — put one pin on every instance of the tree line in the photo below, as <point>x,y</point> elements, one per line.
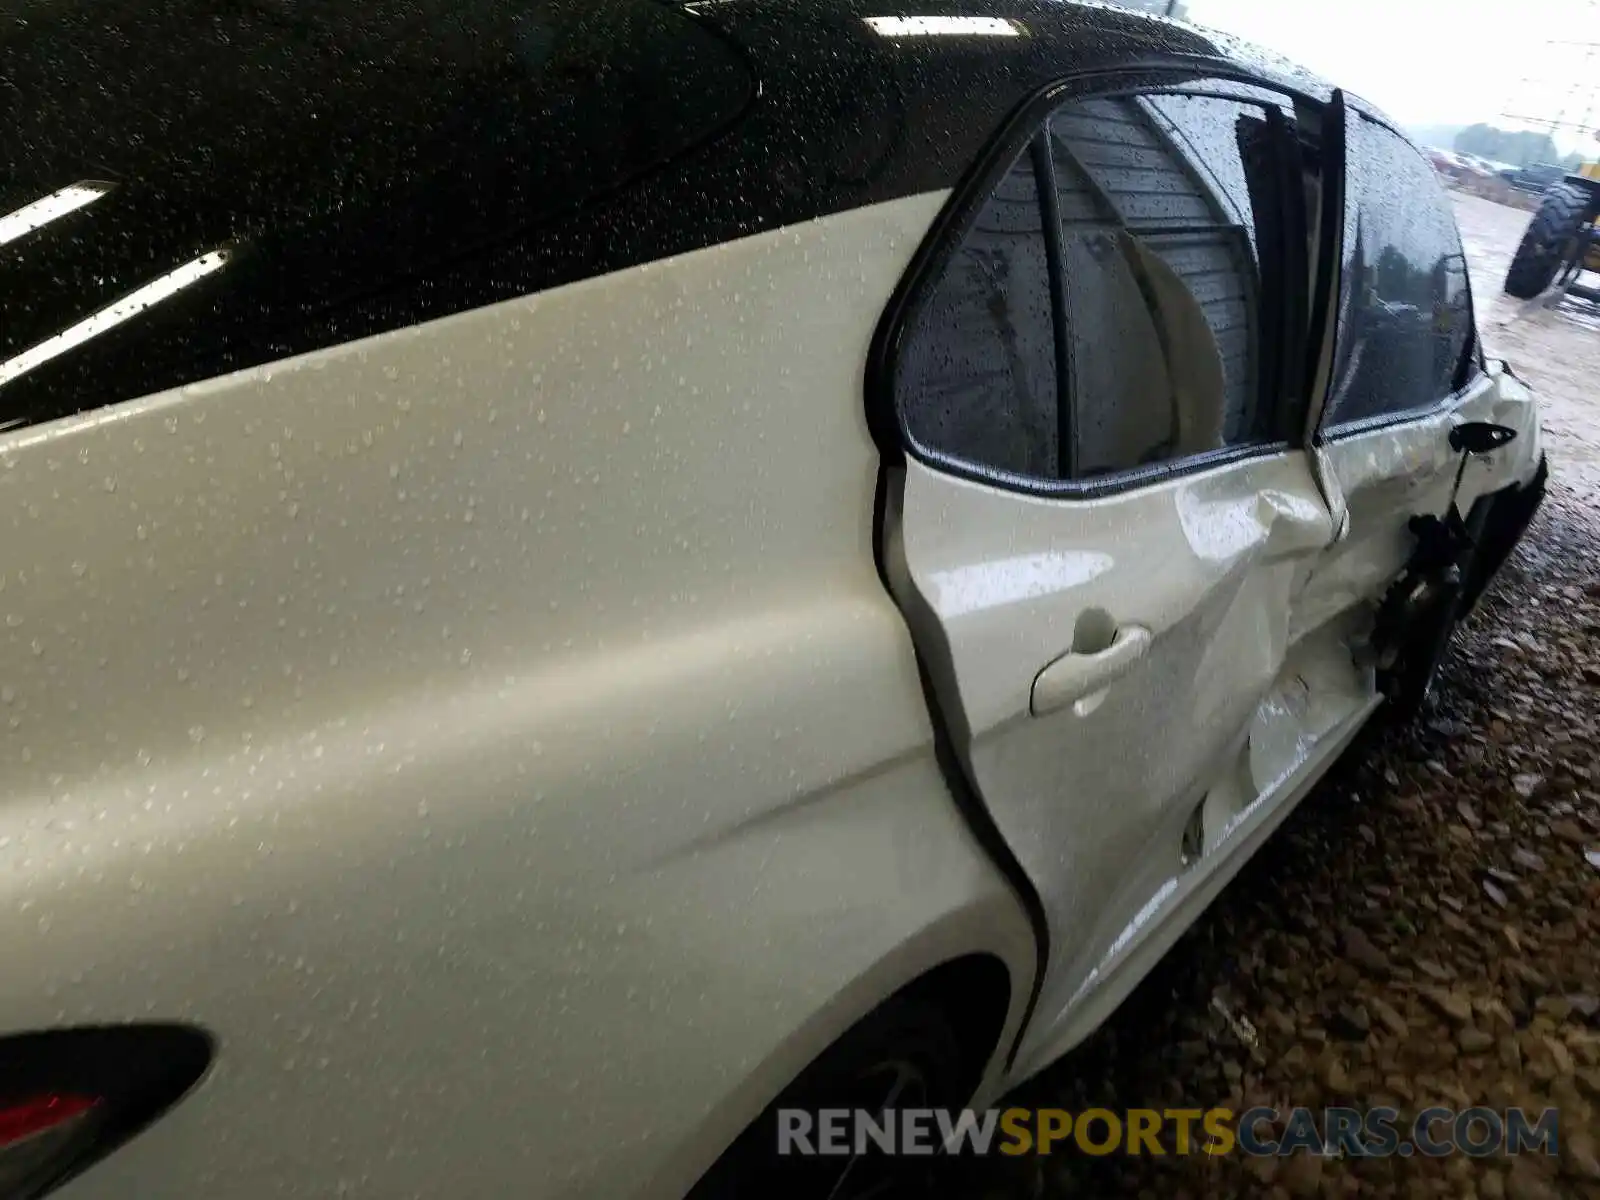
<point>1518,148</point>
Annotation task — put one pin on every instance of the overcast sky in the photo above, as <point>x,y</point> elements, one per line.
<point>1426,61</point>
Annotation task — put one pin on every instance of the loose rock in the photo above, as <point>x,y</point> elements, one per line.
<point>1452,1006</point>
<point>1525,1181</point>
<point>1390,1017</point>
<point>1351,1021</point>
<point>1302,1174</point>
<point>1569,831</point>
<point>1359,949</point>
<point>1578,1156</point>
<point>1527,860</point>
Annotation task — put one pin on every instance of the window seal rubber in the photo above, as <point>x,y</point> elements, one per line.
<point>1407,416</point>
<point>1044,174</point>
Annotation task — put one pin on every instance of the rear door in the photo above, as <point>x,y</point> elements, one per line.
<point>1101,524</point>
<point>1405,369</point>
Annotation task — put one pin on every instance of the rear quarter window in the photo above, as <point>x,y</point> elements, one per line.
<point>1102,318</point>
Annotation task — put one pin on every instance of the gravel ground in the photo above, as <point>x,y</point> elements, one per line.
<point>1422,930</point>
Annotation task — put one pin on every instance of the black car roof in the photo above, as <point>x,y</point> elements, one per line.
<point>368,167</point>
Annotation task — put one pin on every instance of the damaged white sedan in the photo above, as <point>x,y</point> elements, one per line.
<point>577,572</point>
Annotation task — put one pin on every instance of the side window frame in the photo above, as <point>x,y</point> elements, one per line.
<point>1471,367</point>
<point>1025,133</point>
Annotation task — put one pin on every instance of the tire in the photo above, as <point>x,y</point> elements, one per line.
<point>1547,244</point>
<point>907,1048</point>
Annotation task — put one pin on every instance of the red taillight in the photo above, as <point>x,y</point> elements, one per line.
<point>41,1137</point>
<point>24,1119</point>
<point>69,1097</point>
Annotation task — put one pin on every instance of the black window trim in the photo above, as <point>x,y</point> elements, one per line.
<point>1334,434</point>
<point>1044,173</point>
<point>887,423</point>
<point>1472,363</point>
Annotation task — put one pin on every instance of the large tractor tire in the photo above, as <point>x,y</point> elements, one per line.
<point>1549,241</point>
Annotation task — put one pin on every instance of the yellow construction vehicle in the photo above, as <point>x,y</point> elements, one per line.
<point>1561,240</point>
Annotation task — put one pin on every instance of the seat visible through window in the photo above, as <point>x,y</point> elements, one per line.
<point>1103,313</point>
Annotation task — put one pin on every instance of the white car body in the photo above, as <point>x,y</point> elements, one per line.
<point>508,735</point>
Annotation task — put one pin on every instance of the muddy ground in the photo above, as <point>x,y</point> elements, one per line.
<point>1423,929</point>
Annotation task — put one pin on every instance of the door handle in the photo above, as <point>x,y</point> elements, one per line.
<point>1077,677</point>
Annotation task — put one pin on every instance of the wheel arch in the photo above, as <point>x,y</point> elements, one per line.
<point>974,992</point>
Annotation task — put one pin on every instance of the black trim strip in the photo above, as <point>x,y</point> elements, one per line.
<point>1293,388</point>
<point>1044,173</point>
<point>970,803</point>
<point>1410,416</point>
<point>1110,484</point>
<point>1330,267</point>
<point>963,792</point>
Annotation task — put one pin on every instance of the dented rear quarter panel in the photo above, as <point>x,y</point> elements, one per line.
<point>495,732</point>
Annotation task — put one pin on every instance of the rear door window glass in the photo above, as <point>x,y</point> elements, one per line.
<point>1405,308</point>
